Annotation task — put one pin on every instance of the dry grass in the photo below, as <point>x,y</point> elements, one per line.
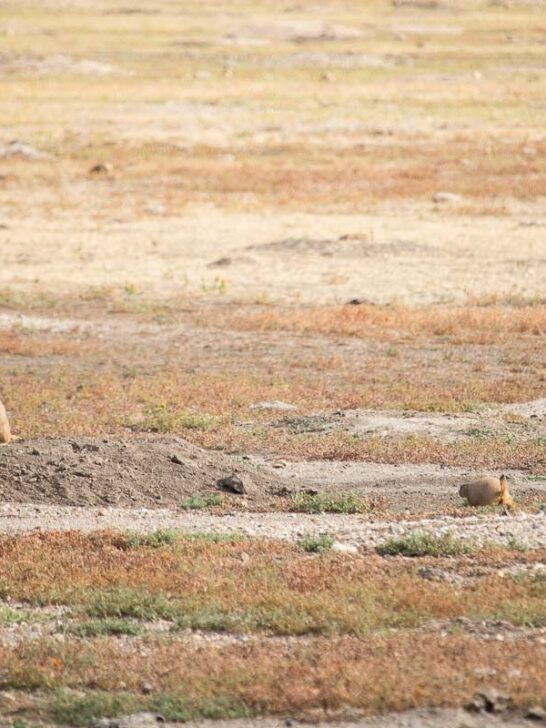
<point>250,585</point>
<point>479,452</point>
<point>330,676</point>
<point>468,325</point>
<point>204,409</point>
<point>13,343</point>
<point>296,177</point>
<point>201,382</point>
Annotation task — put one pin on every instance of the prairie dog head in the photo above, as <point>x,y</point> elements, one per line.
<point>463,490</point>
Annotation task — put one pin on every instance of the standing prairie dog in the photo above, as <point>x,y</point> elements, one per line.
<point>5,432</point>
<point>487,491</point>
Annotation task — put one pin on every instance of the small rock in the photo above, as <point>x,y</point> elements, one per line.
<point>535,712</point>
<point>16,148</point>
<point>360,302</point>
<point>233,484</point>
<point>274,405</point>
<point>344,548</point>
<point>104,723</point>
<point>439,197</point>
<point>176,459</point>
<point>101,168</point>
<point>139,720</point>
<point>221,262</point>
<point>490,701</point>
<point>431,573</point>
<point>154,208</point>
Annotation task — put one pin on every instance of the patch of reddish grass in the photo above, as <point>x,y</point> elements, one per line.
<point>14,343</point>
<point>376,675</point>
<point>296,175</point>
<point>461,325</point>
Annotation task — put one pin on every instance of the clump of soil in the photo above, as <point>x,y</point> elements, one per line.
<point>143,471</point>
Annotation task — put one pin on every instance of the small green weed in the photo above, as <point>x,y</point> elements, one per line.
<point>324,503</point>
<point>195,502</point>
<point>121,602</point>
<point>515,545</point>
<point>424,544</point>
<point>316,544</point>
<point>178,708</point>
<point>209,537</point>
<point>161,419</point>
<point>70,708</point>
<point>19,616</point>
<point>101,627</point>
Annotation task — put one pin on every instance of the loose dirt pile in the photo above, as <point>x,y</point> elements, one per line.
<point>143,471</point>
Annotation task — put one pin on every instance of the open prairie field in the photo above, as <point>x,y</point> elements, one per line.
<point>272,287</point>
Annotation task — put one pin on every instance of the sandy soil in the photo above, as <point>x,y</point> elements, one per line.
<point>397,257</point>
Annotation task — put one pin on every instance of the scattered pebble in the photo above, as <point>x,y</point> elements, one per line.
<point>440,197</point>
<point>274,405</point>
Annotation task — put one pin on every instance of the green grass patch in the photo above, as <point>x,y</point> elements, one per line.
<point>196,502</point>
<point>208,537</point>
<point>121,602</point>
<point>316,544</point>
<point>102,627</point>
<point>425,544</point>
<point>326,503</point>
<point>70,708</point>
<point>161,419</point>
<point>179,708</point>
<point>515,545</point>
<point>20,616</point>
<point>523,614</point>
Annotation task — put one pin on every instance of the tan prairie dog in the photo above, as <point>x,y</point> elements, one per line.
<point>5,432</point>
<point>487,491</point>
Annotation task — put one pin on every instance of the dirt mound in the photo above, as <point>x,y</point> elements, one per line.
<point>345,246</point>
<point>143,471</point>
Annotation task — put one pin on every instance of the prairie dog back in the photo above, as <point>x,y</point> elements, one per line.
<point>484,491</point>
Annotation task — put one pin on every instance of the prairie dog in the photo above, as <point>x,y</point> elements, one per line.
<point>487,491</point>
<point>5,432</point>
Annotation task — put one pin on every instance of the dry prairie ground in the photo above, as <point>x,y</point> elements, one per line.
<point>300,634</point>
<point>190,196</point>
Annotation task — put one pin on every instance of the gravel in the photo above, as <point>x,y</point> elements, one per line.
<point>528,530</point>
